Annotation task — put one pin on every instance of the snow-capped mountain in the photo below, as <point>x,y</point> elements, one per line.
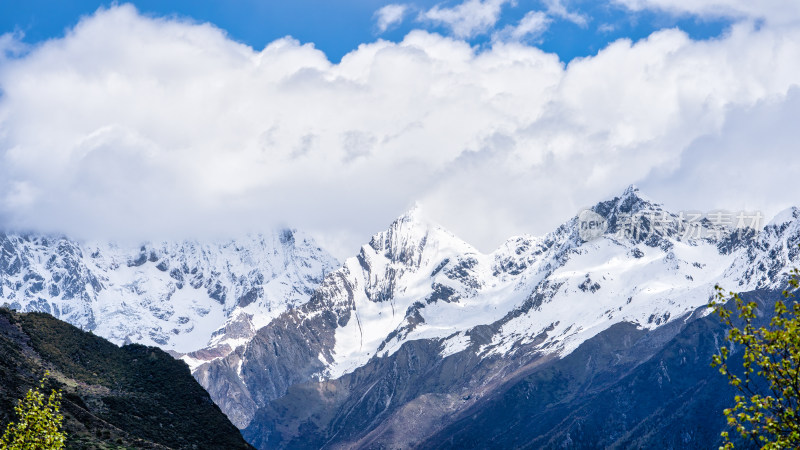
<point>419,333</point>
<point>417,291</point>
<point>180,296</point>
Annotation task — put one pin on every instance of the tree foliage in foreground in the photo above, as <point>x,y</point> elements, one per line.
<point>39,422</point>
<point>767,407</point>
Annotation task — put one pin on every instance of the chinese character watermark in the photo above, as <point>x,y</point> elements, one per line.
<point>685,225</point>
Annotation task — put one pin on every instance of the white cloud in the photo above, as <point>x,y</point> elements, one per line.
<point>468,19</point>
<point>556,8</point>
<point>134,127</point>
<point>11,45</point>
<point>531,26</point>
<point>606,28</point>
<point>390,15</point>
<point>755,151</point>
<point>774,11</point>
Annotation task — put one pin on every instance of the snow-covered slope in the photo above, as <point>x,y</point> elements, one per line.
<point>180,296</point>
<point>417,282</point>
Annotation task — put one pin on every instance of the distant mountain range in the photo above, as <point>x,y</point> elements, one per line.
<point>422,340</point>
<point>174,295</point>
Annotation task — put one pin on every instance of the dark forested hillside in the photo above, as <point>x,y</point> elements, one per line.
<point>128,397</point>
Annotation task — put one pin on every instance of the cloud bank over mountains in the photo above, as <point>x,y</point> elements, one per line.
<point>136,127</point>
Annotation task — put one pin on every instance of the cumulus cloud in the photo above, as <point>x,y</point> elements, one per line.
<point>468,19</point>
<point>11,45</point>
<point>556,8</point>
<point>531,26</point>
<point>132,126</point>
<point>755,151</point>
<point>390,15</point>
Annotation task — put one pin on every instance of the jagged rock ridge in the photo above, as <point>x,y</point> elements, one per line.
<point>389,335</point>
<point>180,296</point>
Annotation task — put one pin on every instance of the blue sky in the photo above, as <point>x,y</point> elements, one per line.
<point>497,117</point>
<point>339,27</point>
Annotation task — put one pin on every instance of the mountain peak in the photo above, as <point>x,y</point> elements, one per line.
<point>787,215</point>
<point>414,214</point>
<point>631,201</point>
<point>631,214</point>
<point>631,190</point>
<point>411,233</point>
<point>410,225</point>
<point>633,196</point>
